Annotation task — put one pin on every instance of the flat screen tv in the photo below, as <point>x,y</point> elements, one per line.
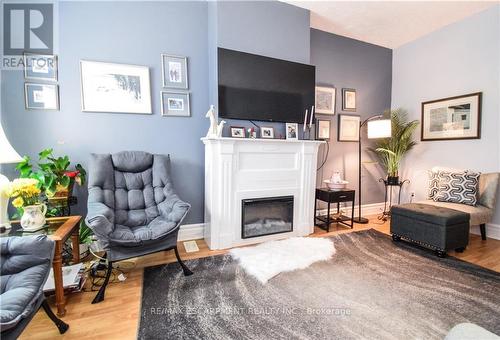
<point>254,87</point>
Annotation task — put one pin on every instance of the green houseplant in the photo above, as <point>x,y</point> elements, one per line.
<point>53,174</point>
<point>391,151</point>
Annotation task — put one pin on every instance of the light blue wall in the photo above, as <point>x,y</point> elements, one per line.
<point>461,58</point>
<point>347,63</point>
<point>270,28</point>
<point>130,33</point>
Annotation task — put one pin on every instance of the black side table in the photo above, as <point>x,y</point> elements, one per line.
<point>334,196</point>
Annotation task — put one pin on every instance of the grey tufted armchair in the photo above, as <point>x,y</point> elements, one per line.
<point>132,207</point>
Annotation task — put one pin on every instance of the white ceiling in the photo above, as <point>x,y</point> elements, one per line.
<point>387,23</point>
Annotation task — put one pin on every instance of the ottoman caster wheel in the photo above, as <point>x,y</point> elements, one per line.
<point>460,250</point>
<point>396,238</point>
<point>441,253</point>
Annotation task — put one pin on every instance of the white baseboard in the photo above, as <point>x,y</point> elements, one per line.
<point>492,230</point>
<point>191,232</point>
<point>366,209</point>
<point>196,231</point>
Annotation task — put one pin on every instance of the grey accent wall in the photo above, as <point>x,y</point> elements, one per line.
<point>347,63</point>
<point>270,28</point>
<point>461,58</point>
<point>130,33</point>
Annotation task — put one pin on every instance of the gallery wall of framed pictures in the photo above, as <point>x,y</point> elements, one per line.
<point>175,101</point>
<point>41,91</point>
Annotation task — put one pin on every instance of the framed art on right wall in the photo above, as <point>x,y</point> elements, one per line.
<point>452,118</point>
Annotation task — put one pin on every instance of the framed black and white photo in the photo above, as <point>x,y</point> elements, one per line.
<point>117,88</point>
<point>175,104</point>
<point>266,132</point>
<point>174,71</point>
<point>237,132</point>
<point>452,118</point>
<point>292,131</point>
<point>323,127</point>
<point>349,100</point>
<point>348,128</point>
<point>40,67</point>
<point>325,100</point>
<point>41,96</point>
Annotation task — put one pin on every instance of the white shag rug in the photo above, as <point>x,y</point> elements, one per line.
<point>268,259</point>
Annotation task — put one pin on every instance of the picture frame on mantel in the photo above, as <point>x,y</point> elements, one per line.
<point>325,100</point>
<point>349,100</point>
<point>452,118</point>
<point>348,130</point>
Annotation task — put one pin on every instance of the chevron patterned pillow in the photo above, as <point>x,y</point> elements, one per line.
<point>458,187</point>
<point>433,184</point>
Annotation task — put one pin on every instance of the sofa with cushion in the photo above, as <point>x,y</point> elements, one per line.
<point>24,267</point>
<point>483,210</point>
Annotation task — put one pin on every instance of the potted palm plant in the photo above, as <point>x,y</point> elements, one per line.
<point>391,151</point>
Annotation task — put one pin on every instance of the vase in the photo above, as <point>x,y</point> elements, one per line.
<point>392,180</point>
<point>33,217</point>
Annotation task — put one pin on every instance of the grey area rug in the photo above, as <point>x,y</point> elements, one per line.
<point>371,289</point>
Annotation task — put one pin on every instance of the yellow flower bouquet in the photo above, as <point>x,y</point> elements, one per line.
<point>24,192</point>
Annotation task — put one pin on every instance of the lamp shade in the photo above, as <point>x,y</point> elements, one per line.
<point>7,152</point>
<point>379,128</point>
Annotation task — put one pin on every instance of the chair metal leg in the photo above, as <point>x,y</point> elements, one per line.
<point>185,269</point>
<point>482,227</point>
<point>61,325</point>
<point>100,295</point>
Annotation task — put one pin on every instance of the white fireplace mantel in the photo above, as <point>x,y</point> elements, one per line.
<point>243,168</point>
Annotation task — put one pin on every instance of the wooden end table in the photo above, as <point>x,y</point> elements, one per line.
<point>58,229</point>
<point>334,196</point>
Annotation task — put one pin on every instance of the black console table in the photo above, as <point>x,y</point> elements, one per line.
<point>333,196</point>
<point>388,195</point>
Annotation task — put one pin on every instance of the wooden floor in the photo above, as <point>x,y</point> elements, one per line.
<point>117,316</point>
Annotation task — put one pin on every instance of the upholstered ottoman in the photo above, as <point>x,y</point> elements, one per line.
<point>438,228</point>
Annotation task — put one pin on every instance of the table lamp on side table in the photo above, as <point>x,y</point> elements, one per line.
<point>7,155</point>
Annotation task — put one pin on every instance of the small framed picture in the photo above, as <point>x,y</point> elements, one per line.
<point>41,96</point>
<point>348,128</point>
<point>266,132</point>
<point>292,131</point>
<point>174,71</point>
<point>323,127</point>
<point>237,132</point>
<point>40,67</point>
<point>349,100</point>
<point>325,100</point>
<point>452,118</point>
<point>175,104</point>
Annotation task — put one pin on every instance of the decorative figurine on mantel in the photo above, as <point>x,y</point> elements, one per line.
<point>213,129</point>
<point>220,127</point>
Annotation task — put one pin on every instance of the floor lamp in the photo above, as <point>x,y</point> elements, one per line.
<point>7,155</point>
<point>377,128</point>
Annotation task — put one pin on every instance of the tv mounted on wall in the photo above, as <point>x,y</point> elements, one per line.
<point>254,87</point>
